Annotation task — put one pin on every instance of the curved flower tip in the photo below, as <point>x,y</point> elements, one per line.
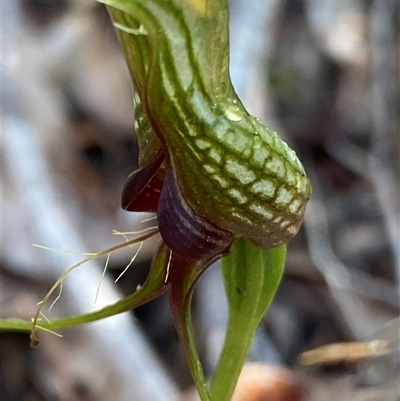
<point>143,187</point>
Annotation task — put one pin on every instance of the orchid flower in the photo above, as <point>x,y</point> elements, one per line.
<point>211,172</point>
<point>219,181</point>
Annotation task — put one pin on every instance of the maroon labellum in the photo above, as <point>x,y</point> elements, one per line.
<point>185,232</point>
<point>150,189</point>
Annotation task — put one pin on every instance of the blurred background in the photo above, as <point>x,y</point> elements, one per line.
<point>324,74</point>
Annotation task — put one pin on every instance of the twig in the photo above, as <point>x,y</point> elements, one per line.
<point>340,282</point>
<point>385,103</point>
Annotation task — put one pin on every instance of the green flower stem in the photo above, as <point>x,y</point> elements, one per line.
<point>182,279</point>
<point>233,356</point>
<point>193,356</point>
<point>251,277</point>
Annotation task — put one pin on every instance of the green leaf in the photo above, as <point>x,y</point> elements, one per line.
<point>154,285</point>
<point>251,277</point>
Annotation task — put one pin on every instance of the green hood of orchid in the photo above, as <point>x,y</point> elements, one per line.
<point>230,170</point>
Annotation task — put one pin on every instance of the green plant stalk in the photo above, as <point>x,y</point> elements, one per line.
<point>196,367</point>
<point>233,356</point>
<point>182,279</point>
<point>252,276</point>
